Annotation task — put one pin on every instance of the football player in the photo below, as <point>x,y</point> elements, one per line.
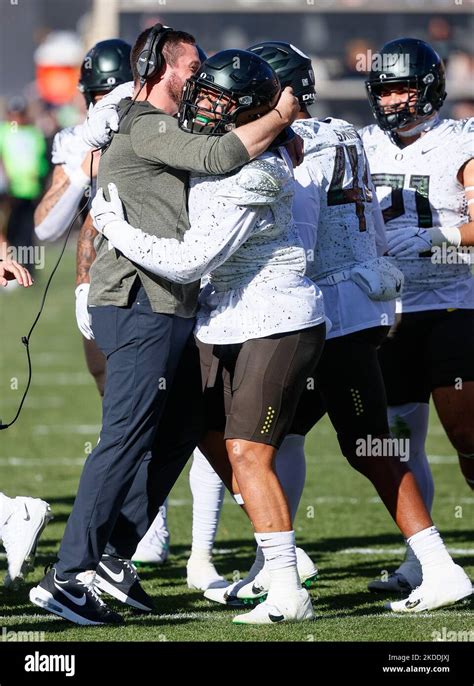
<point>341,225</point>
<point>423,170</point>
<point>260,324</point>
<point>105,66</point>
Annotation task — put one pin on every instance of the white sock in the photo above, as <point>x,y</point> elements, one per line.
<point>208,496</point>
<point>290,467</point>
<point>7,505</point>
<point>411,421</point>
<point>430,550</point>
<point>161,520</point>
<point>279,551</point>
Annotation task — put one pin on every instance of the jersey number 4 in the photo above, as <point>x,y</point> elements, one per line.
<point>420,184</point>
<point>356,193</point>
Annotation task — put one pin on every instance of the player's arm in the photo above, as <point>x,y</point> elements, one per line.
<point>85,252</point>
<point>413,241</point>
<point>85,256</point>
<point>466,177</point>
<point>158,138</point>
<point>218,233</point>
<point>60,202</point>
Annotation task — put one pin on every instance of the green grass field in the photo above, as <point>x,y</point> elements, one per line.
<point>341,523</point>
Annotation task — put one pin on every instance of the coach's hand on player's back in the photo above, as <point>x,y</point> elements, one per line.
<point>11,271</point>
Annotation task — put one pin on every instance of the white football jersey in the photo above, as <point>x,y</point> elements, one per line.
<point>338,221</point>
<point>243,236</point>
<point>261,288</point>
<point>417,186</point>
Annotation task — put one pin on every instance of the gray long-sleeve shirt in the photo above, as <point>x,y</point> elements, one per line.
<point>149,160</point>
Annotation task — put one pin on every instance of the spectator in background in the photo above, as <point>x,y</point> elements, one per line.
<point>464,109</point>
<point>440,37</point>
<point>24,164</point>
<point>357,58</point>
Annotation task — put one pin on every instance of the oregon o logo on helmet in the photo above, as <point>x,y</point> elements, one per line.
<point>111,80</point>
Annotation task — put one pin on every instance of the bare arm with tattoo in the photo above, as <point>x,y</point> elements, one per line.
<point>85,254</point>
<point>59,185</point>
<point>60,203</point>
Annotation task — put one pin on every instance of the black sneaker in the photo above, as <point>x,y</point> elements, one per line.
<point>119,578</point>
<point>75,599</point>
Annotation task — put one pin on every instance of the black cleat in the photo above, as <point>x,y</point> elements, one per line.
<point>119,578</point>
<point>75,599</point>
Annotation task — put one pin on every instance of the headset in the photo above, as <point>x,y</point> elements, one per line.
<point>151,59</point>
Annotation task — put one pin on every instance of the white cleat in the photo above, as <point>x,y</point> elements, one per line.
<point>294,608</point>
<point>254,587</point>
<point>152,551</point>
<point>202,575</point>
<point>154,547</point>
<point>20,536</point>
<point>445,589</point>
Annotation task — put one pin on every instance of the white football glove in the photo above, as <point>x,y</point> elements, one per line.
<point>103,119</point>
<point>103,212</point>
<point>69,147</point>
<point>408,242</point>
<point>83,317</point>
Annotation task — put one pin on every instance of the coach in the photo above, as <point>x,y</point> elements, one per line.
<point>141,322</point>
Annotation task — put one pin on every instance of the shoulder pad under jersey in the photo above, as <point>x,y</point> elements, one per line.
<point>259,182</point>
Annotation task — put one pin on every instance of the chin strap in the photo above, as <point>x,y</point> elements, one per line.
<point>422,127</point>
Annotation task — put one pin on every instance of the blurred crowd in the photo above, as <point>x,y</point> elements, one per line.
<point>30,119</point>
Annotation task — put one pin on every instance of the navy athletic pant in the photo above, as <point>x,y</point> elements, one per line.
<point>143,351</point>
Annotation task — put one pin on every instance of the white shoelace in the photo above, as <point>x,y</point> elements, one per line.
<point>88,580</point>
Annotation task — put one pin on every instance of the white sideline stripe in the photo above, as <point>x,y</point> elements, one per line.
<point>62,379</point>
<point>43,359</point>
<point>36,403</point>
<point>45,429</point>
<point>337,460</point>
<point>26,618</point>
<point>396,551</point>
<point>384,614</point>
<point>39,461</point>
<point>50,618</point>
<point>442,459</point>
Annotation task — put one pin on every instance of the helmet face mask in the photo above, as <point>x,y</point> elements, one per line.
<point>397,115</point>
<point>232,88</point>
<point>410,66</point>
<point>207,109</point>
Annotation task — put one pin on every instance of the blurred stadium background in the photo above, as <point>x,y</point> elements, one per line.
<point>42,43</point>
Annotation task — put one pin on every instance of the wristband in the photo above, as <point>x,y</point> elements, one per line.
<point>77,177</point>
<point>450,235</point>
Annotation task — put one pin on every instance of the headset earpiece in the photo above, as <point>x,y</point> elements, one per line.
<point>150,60</point>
